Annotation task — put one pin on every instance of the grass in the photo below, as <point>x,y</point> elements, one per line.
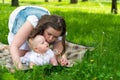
<point>88,24</point>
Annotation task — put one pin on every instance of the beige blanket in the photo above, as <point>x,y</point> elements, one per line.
<point>74,52</point>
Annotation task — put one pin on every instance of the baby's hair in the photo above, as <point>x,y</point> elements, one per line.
<point>31,42</point>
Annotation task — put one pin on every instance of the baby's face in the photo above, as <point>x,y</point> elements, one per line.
<point>41,45</point>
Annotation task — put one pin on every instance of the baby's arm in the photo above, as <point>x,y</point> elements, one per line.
<point>31,64</point>
<point>53,61</point>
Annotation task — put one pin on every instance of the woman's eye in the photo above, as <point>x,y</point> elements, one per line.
<point>49,34</point>
<point>55,37</point>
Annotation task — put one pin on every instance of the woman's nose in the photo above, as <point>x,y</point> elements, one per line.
<point>50,38</point>
<point>46,43</point>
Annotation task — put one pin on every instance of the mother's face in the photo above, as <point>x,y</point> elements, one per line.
<point>51,34</point>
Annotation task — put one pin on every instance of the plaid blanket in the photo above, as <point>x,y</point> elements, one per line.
<point>74,52</point>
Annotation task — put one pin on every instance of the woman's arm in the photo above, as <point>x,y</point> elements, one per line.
<point>20,37</point>
<point>58,49</point>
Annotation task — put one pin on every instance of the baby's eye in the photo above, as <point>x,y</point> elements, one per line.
<point>42,43</point>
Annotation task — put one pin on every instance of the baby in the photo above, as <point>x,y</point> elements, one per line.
<point>40,54</point>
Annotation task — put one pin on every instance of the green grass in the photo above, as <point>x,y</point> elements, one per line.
<point>88,24</point>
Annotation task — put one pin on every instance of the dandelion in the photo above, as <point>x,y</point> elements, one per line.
<point>95,78</point>
<point>103,32</point>
<point>91,60</point>
<point>111,78</point>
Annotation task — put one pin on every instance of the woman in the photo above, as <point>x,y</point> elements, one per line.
<point>26,19</point>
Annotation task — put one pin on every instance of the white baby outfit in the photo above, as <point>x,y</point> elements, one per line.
<point>37,58</point>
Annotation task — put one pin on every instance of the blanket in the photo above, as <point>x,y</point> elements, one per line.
<point>74,52</point>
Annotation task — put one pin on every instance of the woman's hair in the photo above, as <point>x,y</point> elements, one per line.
<point>54,21</point>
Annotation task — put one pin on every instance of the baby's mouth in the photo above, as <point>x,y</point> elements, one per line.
<point>47,46</point>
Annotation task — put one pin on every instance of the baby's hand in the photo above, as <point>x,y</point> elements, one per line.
<point>63,61</point>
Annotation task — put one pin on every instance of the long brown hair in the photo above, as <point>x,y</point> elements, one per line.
<point>54,21</point>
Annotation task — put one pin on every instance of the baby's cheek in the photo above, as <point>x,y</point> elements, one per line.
<point>45,49</point>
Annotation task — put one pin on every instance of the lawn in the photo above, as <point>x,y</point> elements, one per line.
<point>89,24</point>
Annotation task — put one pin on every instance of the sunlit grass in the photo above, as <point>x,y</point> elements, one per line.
<point>88,23</point>
<point>90,7</point>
